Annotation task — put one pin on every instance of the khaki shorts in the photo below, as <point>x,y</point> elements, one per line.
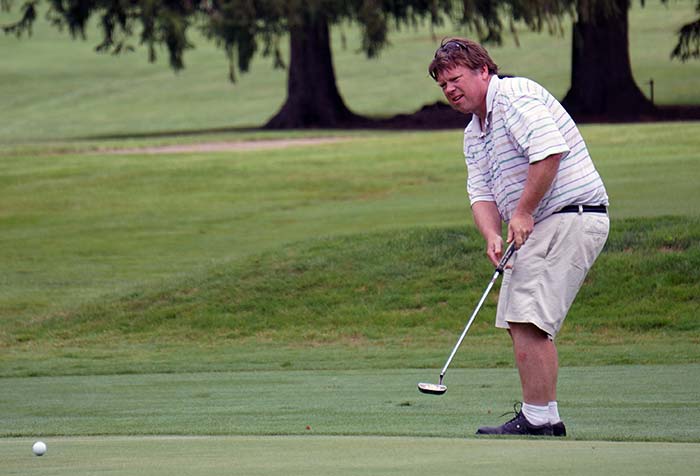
<point>548,270</point>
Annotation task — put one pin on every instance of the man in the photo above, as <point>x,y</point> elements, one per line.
<point>529,167</point>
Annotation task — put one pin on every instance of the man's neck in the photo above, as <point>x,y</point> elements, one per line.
<point>483,111</point>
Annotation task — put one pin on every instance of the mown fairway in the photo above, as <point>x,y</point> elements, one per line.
<point>194,313</point>
<point>625,403</point>
<point>598,403</point>
<point>213,456</point>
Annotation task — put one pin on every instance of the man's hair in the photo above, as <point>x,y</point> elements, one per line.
<point>460,52</point>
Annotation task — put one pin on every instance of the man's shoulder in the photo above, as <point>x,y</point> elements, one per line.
<point>517,86</point>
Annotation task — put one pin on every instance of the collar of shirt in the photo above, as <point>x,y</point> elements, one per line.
<point>474,127</point>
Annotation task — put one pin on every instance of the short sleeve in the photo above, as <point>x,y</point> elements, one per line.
<point>533,129</point>
<point>479,181</point>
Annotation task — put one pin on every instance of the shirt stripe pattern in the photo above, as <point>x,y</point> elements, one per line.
<point>525,124</point>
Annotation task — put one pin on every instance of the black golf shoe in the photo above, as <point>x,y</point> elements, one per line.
<point>519,425</point>
<point>558,429</point>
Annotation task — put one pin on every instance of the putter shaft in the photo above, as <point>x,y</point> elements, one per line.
<point>499,270</point>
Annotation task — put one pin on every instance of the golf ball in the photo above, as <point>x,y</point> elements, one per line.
<point>39,448</point>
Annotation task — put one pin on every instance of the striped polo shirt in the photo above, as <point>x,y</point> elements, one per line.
<point>525,124</point>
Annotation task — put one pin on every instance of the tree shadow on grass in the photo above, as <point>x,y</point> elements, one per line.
<point>437,116</point>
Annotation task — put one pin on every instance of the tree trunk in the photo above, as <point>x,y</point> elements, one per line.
<point>602,85</point>
<point>313,99</point>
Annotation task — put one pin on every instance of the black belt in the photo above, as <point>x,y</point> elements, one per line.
<point>583,209</point>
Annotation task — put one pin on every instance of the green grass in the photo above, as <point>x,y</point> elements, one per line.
<point>255,293</point>
<point>80,226</point>
<point>212,456</point>
<point>54,88</point>
<point>649,403</point>
<point>154,263</point>
<point>395,298</point>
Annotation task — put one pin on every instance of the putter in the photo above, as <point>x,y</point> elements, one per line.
<point>439,388</point>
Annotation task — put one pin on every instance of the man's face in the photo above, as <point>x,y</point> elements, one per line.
<point>465,89</point>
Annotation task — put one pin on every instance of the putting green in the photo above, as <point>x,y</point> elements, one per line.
<point>331,455</point>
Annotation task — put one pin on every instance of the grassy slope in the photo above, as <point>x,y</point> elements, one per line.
<point>405,292</point>
<point>400,283</point>
<point>55,88</point>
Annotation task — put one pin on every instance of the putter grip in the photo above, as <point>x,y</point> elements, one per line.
<point>506,256</point>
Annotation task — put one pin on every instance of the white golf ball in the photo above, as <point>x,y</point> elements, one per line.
<point>39,448</point>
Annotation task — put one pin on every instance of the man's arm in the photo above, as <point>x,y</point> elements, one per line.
<point>488,221</point>
<point>540,176</point>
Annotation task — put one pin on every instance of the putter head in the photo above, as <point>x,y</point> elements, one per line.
<point>432,388</point>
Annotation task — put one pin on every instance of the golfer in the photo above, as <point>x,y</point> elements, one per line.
<point>528,167</point>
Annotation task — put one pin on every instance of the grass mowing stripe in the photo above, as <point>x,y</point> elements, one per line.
<point>336,456</point>
<point>598,403</point>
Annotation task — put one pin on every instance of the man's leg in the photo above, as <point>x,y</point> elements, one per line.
<point>538,363</point>
<point>538,366</point>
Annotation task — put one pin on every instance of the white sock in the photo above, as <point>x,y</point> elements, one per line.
<point>536,414</point>
<point>553,412</point>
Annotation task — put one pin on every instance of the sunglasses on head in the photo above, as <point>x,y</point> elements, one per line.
<point>451,45</point>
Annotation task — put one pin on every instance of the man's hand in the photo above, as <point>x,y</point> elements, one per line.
<point>488,221</point>
<point>494,249</point>
<point>519,228</point>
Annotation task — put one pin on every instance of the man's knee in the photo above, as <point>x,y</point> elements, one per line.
<point>526,330</point>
